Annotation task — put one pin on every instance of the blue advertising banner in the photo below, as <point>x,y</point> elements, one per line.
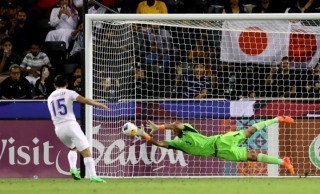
<point>120,109</point>
<point>39,110</point>
<point>198,109</point>
<point>29,110</point>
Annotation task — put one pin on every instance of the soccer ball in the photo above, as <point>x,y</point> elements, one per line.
<point>129,129</point>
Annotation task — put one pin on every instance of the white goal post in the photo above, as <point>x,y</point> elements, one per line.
<point>247,67</point>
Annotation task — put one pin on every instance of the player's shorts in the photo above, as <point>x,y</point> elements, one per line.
<point>71,135</point>
<point>228,149</point>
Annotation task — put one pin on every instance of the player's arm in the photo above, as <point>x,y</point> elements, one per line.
<point>91,102</point>
<point>158,143</point>
<point>172,126</point>
<point>142,133</point>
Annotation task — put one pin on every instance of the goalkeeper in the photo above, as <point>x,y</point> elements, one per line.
<point>223,146</point>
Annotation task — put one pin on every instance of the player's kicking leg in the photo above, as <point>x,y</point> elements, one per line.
<point>72,158</point>
<point>266,158</point>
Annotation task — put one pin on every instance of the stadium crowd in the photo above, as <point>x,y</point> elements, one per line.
<point>42,38</point>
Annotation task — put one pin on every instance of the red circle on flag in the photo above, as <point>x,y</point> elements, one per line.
<point>46,3</point>
<point>253,41</point>
<point>302,46</point>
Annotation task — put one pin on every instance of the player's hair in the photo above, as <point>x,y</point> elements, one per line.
<point>7,39</point>
<point>75,68</point>
<point>14,66</point>
<point>60,81</point>
<point>285,58</point>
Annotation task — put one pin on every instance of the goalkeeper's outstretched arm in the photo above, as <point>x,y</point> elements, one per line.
<point>158,143</point>
<point>176,126</point>
<point>142,133</point>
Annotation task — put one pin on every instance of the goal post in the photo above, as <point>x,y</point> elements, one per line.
<point>218,72</point>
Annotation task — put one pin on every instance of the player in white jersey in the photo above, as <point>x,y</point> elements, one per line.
<point>60,104</point>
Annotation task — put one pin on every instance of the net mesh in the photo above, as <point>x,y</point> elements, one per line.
<point>219,76</point>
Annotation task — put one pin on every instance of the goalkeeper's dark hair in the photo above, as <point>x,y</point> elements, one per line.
<point>60,81</point>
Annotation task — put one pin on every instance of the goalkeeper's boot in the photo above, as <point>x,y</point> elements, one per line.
<point>285,119</point>
<point>97,180</point>
<point>75,174</point>
<point>287,164</point>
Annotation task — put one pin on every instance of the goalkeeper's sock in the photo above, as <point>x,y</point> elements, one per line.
<point>269,159</point>
<point>72,158</point>
<point>90,166</point>
<point>261,125</point>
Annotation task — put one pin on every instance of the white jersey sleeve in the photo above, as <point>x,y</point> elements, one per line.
<point>60,105</point>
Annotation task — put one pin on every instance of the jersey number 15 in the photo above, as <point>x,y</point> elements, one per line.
<point>60,106</point>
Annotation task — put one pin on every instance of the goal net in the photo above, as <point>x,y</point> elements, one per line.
<point>219,73</point>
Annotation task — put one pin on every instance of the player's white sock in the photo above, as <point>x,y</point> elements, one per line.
<point>90,166</point>
<point>72,158</point>
<point>269,159</point>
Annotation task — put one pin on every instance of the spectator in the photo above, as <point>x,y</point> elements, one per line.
<point>152,7</point>
<point>232,89</point>
<point>211,74</point>
<point>183,39</point>
<point>44,85</point>
<point>10,9</point>
<point>65,20</point>
<point>197,84</point>
<point>7,57</point>
<point>266,6</point>
<point>33,62</point>
<point>77,36</point>
<point>161,37</point>
<point>251,79</point>
<point>110,89</point>
<point>140,88</point>
<point>302,6</point>
<point>233,6</point>
<point>213,55</point>
<point>4,28</point>
<point>75,81</point>
<point>140,35</point>
<point>281,81</point>
<point>21,33</point>
<point>310,83</point>
<point>15,86</point>
<point>154,57</point>
<point>197,52</point>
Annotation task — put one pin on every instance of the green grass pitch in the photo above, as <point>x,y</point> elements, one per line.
<point>163,186</point>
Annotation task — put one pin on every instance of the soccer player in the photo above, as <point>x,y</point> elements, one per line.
<point>223,146</point>
<point>60,104</point>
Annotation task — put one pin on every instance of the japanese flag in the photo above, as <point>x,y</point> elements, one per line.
<point>266,42</point>
<point>304,45</point>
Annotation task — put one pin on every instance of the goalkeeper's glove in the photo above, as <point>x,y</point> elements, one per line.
<point>142,133</point>
<point>152,126</point>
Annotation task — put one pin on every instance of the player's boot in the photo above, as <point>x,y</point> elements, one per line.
<point>75,174</point>
<point>97,180</point>
<point>287,164</point>
<point>285,119</point>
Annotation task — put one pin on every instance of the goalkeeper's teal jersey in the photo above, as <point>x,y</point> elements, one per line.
<point>194,143</point>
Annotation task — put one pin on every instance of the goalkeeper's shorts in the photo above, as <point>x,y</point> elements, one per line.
<point>228,149</point>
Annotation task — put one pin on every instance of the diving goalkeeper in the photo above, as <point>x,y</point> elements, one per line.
<point>223,146</point>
